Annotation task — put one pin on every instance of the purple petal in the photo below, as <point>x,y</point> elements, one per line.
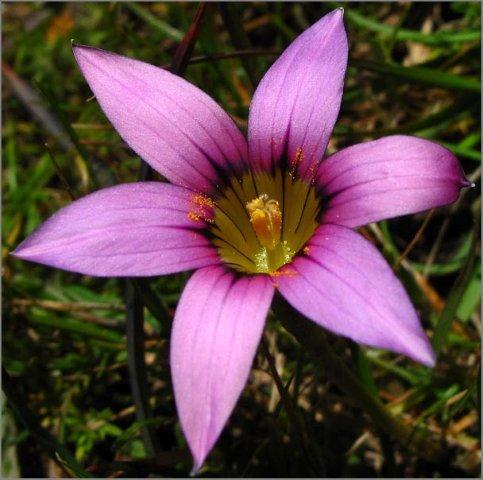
<point>178,129</point>
<point>385,178</point>
<point>297,102</point>
<point>345,285</point>
<point>137,229</point>
<point>217,327</point>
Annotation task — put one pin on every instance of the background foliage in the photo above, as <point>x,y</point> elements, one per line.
<point>414,68</point>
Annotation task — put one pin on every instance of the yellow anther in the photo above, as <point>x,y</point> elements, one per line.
<point>266,220</point>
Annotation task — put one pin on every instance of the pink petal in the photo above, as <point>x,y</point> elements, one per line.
<point>178,129</point>
<point>297,102</point>
<point>136,229</point>
<point>345,285</point>
<point>217,327</point>
<point>386,178</point>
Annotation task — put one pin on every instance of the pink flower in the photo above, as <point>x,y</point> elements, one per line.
<point>250,218</point>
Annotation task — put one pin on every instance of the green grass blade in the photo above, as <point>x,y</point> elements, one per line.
<point>435,38</point>
<point>471,297</point>
<point>72,325</point>
<point>454,299</point>
<point>160,25</point>
<point>425,76</point>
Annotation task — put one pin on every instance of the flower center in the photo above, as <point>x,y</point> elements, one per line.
<point>262,220</point>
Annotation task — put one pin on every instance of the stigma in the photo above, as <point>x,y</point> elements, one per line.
<point>266,220</point>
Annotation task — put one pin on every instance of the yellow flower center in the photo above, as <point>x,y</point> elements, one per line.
<point>262,220</point>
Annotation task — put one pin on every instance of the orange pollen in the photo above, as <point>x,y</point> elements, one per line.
<point>285,272</point>
<point>202,209</point>
<point>299,155</point>
<point>203,201</point>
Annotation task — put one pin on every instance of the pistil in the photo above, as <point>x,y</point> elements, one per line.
<point>266,219</point>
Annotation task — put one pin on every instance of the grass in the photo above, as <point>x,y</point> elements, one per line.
<point>413,68</point>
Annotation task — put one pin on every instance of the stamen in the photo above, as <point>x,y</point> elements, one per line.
<point>266,219</point>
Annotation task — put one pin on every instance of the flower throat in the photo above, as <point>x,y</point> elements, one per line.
<point>262,220</point>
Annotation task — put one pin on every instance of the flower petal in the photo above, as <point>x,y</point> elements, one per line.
<point>345,285</point>
<point>178,129</point>
<point>217,327</point>
<point>137,229</point>
<point>388,177</point>
<point>297,102</point>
